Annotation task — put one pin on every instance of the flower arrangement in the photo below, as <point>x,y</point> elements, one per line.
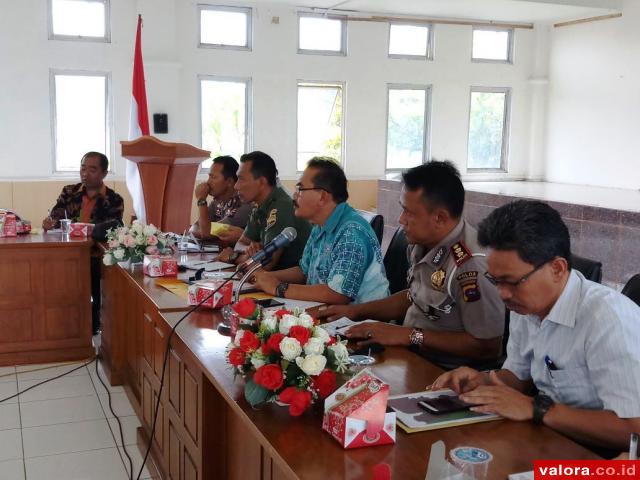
<point>285,356</point>
<point>132,243</point>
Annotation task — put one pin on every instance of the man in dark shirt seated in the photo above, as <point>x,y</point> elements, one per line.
<point>89,201</point>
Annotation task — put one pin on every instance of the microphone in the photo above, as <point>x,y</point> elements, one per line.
<point>282,240</point>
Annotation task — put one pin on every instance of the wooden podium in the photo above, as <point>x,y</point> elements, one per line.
<point>168,174</point>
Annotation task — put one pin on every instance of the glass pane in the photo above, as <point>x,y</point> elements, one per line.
<point>78,18</point>
<point>80,119</point>
<point>405,128</point>
<point>224,122</point>
<point>319,122</point>
<point>408,40</point>
<point>486,130</point>
<point>320,34</point>
<point>491,45</point>
<point>222,27</point>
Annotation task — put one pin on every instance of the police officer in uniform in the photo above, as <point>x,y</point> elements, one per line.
<point>450,312</point>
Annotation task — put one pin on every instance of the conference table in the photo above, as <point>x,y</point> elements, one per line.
<point>206,429</point>
<point>45,299</point>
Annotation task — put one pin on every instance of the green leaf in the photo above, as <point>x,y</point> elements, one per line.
<point>254,393</point>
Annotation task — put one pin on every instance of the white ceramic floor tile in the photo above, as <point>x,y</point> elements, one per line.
<point>93,465</point>
<point>12,470</point>
<point>10,445</point>
<point>9,416</point>
<point>136,458</point>
<point>129,429</point>
<point>49,370</point>
<point>66,438</point>
<point>7,374</point>
<point>6,390</point>
<point>61,410</point>
<point>120,404</point>
<point>64,387</point>
<point>99,387</point>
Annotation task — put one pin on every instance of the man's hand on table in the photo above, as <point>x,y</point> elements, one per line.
<point>265,281</point>
<point>253,248</point>
<point>225,255</point>
<point>382,333</point>
<point>330,313</point>
<point>48,223</point>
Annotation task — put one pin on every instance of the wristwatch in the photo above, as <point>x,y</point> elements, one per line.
<point>202,202</point>
<point>416,337</point>
<point>541,405</point>
<point>234,256</point>
<point>281,289</point>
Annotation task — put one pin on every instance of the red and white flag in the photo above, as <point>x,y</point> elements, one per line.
<point>138,125</point>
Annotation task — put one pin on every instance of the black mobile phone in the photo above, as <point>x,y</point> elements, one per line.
<point>444,404</point>
<point>269,302</point>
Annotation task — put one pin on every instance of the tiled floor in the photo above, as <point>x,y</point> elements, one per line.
<point>64,429</point>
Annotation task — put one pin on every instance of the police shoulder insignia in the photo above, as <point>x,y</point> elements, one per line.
<point>460,253</point>
<point>272,218</point>
<point>437,279</point>
<point>468,282</point>
<point>438,257</point>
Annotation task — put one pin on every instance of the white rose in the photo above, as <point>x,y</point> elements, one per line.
<point>312,364</point>
<point>149,230</point>
<point>340,351</point>
<point>314,346</point>
<point>290,348</point>
<point>108,259</point>
<point>239,335</point>
<point>322,334</point>
<point>141,240</point>
<point>136,227</point>
<point>257,360</point>
<point>286,322</point>
<point>121,238</point>
<point>270,323</point>
<point>305,320</point>
<point>118,254</point>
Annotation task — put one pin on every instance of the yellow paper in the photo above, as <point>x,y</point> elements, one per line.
<point>256,296</point>
<point>217,228</point>
<point>175,286</point>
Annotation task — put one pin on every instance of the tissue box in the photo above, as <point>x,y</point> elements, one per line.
<point>356,414</point>
<point>199,291</point>
<point>8,225</point>
<point>160,266</point>
<point>79,229</point>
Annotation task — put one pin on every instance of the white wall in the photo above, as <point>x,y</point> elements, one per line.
<point>594,102</point>
<point>173,63</point>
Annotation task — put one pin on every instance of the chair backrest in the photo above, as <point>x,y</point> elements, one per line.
<point>591,269</point>
<point>632,288</point>
<point>376,221</point>
<point>396,263</point>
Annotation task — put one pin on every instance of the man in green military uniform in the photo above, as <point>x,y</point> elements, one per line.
<point>449,312</point>
<point>273,212</point>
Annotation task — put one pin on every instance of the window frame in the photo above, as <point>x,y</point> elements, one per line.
<point>426,138</point>
<point>109,140</point>
<point>343,35</point>
<point>510,44</point>
<point>506,129</point>
<point>343,143</point>
<point>79,38</point>
<point>226,8</point>
<point>429,53</point>
<point>248,108</point>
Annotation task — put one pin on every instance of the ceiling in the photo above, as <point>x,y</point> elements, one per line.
<point>501,10</point>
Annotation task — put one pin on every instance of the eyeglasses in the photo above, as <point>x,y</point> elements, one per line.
<point>513,283</point>
<point>300,188</point>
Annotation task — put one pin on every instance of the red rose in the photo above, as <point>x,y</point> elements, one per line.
<point>274,342</point>
<point>300,402</point>
<point>245,307</point>
<point>282,312</point>
<point>266,350</point>
<point>300,333</point>
<point>332,341</point>
<point>269,376</point>
<point>249,342</point>
<point>236,357</point>
<point>286,395</point>
<point>325,383</point>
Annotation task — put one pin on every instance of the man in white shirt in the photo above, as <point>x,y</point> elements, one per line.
<point>576,341</point>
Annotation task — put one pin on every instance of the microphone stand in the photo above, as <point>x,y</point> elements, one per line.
<point>247,276</point>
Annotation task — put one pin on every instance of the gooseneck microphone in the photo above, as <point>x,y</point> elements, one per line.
<point>282,240</point>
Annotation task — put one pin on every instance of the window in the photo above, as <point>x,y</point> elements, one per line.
<point>410,41</point>
<point>407,126</point>
<point>225,27</point>
<point>492,45</point>
<point>322,34</point>
<point>488,128</point>
<point>79,20</point>
<point>320,121</point>
<point>225,116</point>
<point>80,117</point>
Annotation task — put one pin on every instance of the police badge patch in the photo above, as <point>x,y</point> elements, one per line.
<point>468,282</point>
<point>272,218</point>
<point>439,256</point>
<point>438,278</point>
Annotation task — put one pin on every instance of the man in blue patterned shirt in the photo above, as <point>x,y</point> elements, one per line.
<point>342,261</point>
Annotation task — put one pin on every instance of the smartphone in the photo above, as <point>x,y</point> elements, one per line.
<point>269,302</point>
<point>444,404</point>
